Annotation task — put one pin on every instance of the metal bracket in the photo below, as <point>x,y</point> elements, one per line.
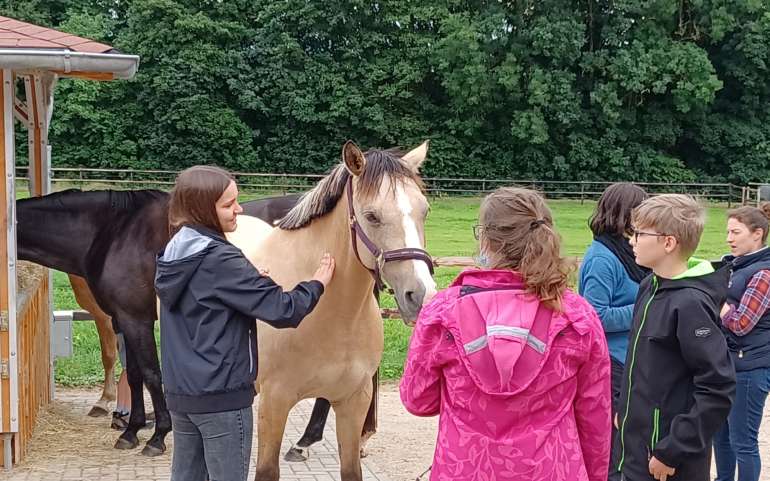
<point>4,322</point>
<point>5,370</point>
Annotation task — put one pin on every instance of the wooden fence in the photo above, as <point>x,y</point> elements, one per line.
<point>450,186</point>
<point>34,349</point>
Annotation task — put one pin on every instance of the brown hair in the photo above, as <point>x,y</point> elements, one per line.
<point>753,217</point>
<point>612,215</point>
<point>193,200</point>
<point>517,228</point>
<point>677,215</point>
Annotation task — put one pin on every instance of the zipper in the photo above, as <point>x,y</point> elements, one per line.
<point>655,428</point>
<point>467,290</point>
<point>251,356</point>
<point>630,372</point>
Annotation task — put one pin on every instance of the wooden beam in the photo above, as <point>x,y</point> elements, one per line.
<point>85,75</point>
<point>34,131</point>
<point>8,345</point>
<point>20,111</point>
<point>39,92</point>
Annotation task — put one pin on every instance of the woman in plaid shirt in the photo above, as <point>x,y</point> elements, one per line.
<point>746,325</point>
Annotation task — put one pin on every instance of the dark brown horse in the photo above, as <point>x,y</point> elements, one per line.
<point>109,238</point>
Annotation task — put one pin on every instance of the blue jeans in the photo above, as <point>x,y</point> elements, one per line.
<point>737,441</point>
<point>212,446</point>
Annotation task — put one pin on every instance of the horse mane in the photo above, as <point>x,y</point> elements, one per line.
<point>117,200</point>
<point>322,198</point>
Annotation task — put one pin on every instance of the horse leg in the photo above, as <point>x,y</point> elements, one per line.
<point>107,340</point>
<point>142,365</point>
<point>141,337</point>
<point>273,413</point>
<point>128,439</point>
<point>351,414</point>
<point>313,432</point>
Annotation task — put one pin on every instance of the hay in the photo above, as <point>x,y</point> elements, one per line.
<point>65,436</point>
<point>28,277</point>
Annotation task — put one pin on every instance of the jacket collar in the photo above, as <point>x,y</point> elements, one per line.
<point>203,230</point>
<point>762,254</point>
<point>489,278</point>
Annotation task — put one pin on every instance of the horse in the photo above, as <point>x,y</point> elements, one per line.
<point>269,210</point>
<point>106,241</point>
<point>369,213</point>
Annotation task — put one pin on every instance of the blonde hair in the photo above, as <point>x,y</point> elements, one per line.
<point>517,228</point>
<point>676,215</point>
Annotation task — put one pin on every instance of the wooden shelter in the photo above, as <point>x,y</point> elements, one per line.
<point>32,59</point>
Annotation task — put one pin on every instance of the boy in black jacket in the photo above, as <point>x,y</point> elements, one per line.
<point>679,381</point>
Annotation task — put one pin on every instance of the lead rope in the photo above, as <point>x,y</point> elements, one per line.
<point>419,478</point>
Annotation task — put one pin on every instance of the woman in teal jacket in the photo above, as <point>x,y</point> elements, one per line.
<point>610,277</point>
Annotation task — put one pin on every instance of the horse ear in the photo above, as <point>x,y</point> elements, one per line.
<point>415,157</point>
<point>353,158</point>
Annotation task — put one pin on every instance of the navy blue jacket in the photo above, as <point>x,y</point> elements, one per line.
<point>210,296</point>
<point>751,351</point>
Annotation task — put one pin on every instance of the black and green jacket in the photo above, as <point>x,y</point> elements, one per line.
<point>679,380</point>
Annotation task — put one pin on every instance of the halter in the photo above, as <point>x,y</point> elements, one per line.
<point>380,257</point>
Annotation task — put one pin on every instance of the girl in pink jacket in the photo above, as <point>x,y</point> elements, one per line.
<point>514,363</point>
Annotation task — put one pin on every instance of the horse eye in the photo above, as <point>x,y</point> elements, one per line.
<point>372,218</point>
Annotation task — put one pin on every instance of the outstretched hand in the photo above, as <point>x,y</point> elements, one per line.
<point>325,270</point>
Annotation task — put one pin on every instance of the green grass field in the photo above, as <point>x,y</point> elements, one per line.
<point>448,232</point>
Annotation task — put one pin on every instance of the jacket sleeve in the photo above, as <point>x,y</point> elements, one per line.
<point>593,407</point>
<point>420,385</point>
<point>704,351</point>
<point>597,285</point>
<point>241,287</point>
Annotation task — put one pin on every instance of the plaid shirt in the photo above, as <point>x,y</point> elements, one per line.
<point>754,303</point>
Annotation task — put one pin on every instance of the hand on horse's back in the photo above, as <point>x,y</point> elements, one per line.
<point>325,270</point>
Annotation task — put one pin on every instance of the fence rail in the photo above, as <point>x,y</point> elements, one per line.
<point>285,183</point>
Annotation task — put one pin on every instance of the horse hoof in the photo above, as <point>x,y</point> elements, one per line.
<point>296,455</point>
<point>98,412</point>
<point>123,443</point>
<point>152,451</point>
<point>362,453</point>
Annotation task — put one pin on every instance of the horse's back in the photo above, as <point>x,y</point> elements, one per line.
<point>249,234</point>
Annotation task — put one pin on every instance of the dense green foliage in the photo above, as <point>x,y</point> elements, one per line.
<point>656,90</point>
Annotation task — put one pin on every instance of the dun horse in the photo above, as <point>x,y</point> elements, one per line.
<point>369,214</point>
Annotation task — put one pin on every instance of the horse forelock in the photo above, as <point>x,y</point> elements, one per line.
<point>319,201</point>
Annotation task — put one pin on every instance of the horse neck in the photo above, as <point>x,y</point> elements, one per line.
<point>56,238</point>
<point>352,286</point>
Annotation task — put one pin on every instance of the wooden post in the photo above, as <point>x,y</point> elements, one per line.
<point>39,91</point>
<point>8,359</point>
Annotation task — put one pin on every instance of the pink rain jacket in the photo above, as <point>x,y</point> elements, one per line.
<point>523,392</point>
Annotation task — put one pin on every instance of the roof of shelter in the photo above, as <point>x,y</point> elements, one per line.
<point>26,47</point>
<point>18,34</point>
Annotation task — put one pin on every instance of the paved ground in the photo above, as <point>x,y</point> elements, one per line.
<point>60,453</point>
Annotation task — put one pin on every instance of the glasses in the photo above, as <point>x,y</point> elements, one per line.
<point>477,231</point>
<point>638,233</point>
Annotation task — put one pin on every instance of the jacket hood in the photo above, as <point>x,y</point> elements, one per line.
<point>700,274</point>
<point>502,332</point>
<point>178,262</point>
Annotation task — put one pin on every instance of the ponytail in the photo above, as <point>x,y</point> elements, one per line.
<point>519,234</point>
